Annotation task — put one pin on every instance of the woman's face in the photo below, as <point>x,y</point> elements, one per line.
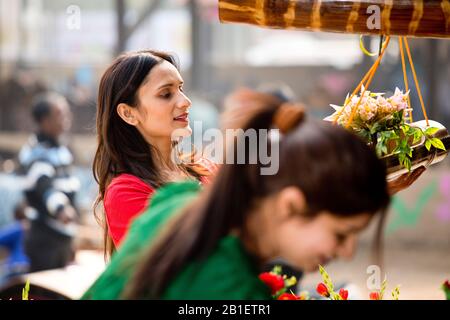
<point>59,120</point>
<point>163,107</point>
<point>308,242</point>
<point>281,230</point>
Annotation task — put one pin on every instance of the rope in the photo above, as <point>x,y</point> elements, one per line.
<point>405,76</point>
<point>408,52</point>
<point>369,81</point>
<point>372,68</point>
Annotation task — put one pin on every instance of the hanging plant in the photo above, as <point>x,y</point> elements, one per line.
<point>381,122</point>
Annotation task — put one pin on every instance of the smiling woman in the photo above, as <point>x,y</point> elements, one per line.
<point>142,114</point>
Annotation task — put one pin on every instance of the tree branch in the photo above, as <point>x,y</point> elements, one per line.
<point>147,12</point>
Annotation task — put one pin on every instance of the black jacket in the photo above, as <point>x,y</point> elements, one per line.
<point>50,185</point>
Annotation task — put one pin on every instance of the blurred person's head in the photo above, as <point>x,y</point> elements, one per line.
<point>329,186</point>
<point>141,105</point>
<point>52,114</point>
<point>279,90</point>
<point>241,100</point>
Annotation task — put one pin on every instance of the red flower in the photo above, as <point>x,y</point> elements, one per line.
<point>446,288</point>
<point>322,290</point>
<point>288,296</point>
<point>446,285</point>
<point>344,294</point>
<point>273,281</point>
<point>374,296</point>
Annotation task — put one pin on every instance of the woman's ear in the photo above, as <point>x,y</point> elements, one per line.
<point>127,113</point>
<point>290,201</point>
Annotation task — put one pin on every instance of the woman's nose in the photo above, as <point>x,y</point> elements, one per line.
<point>185,102</point>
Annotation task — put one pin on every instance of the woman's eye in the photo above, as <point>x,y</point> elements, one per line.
<point>167,95</point>
<point>341,237</point>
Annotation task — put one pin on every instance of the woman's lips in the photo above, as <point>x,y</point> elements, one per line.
<point>183,118</point>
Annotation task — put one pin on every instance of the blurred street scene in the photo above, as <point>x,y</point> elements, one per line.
<point>64,47</point>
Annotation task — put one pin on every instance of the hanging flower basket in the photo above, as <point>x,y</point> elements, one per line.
<point>382,122</point>
<point>387,125</point>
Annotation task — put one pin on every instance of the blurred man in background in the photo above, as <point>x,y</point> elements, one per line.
<point>50,187</point>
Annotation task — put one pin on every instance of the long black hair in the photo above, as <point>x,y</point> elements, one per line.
<point>120,146</point>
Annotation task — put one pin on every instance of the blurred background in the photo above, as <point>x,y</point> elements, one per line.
<point>65,46</point>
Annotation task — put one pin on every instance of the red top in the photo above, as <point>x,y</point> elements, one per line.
<point>127,196</point>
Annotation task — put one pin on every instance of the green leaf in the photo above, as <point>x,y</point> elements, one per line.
<point>277,270</point>
<point>411,130</point>
<point>398,115</point>
<point>404,160</point>
<point>394,134</point>
<point>396,293</point>
<point>405,129</point>
<point>418,134</point>
<point>431,131</point>
<point>326,280</point>
<point>381,149</point>
<point>335,296</point>
<point>407,163</point>
<point>409,151</point>
<point>363,134</point>
<point>289,282</point>
<point>279,293</point>
<point>404,144</point>
<point>437,143</point>
<point>446,291</point>
<point>375,128</point>
<point>383,288</point>
<point>26,290</point>
<point>428,144</point>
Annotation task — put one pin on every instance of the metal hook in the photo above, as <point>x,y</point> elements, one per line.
<point>381,45</point>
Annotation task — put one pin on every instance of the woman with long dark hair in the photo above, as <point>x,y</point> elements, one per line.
<point>142,114</point>
<point>328,188</point>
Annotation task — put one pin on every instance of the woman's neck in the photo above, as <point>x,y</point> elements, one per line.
<point>164,153</point>
<point>164,161</point>
<point>254,237</point>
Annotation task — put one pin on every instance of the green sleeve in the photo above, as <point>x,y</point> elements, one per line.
<point>164,204</point>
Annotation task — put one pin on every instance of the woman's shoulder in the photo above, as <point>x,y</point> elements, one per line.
<point>125,183</point>
<point>125,197</point>
<point>125,179</point>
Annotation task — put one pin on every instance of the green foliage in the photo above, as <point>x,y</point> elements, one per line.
<point>383,288</point>
<point>446,288</point>
<point>396,293</point>
<point>329,284</point>
<point>26,290</point>
<point>381,122</point>
<point>398,138</point>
